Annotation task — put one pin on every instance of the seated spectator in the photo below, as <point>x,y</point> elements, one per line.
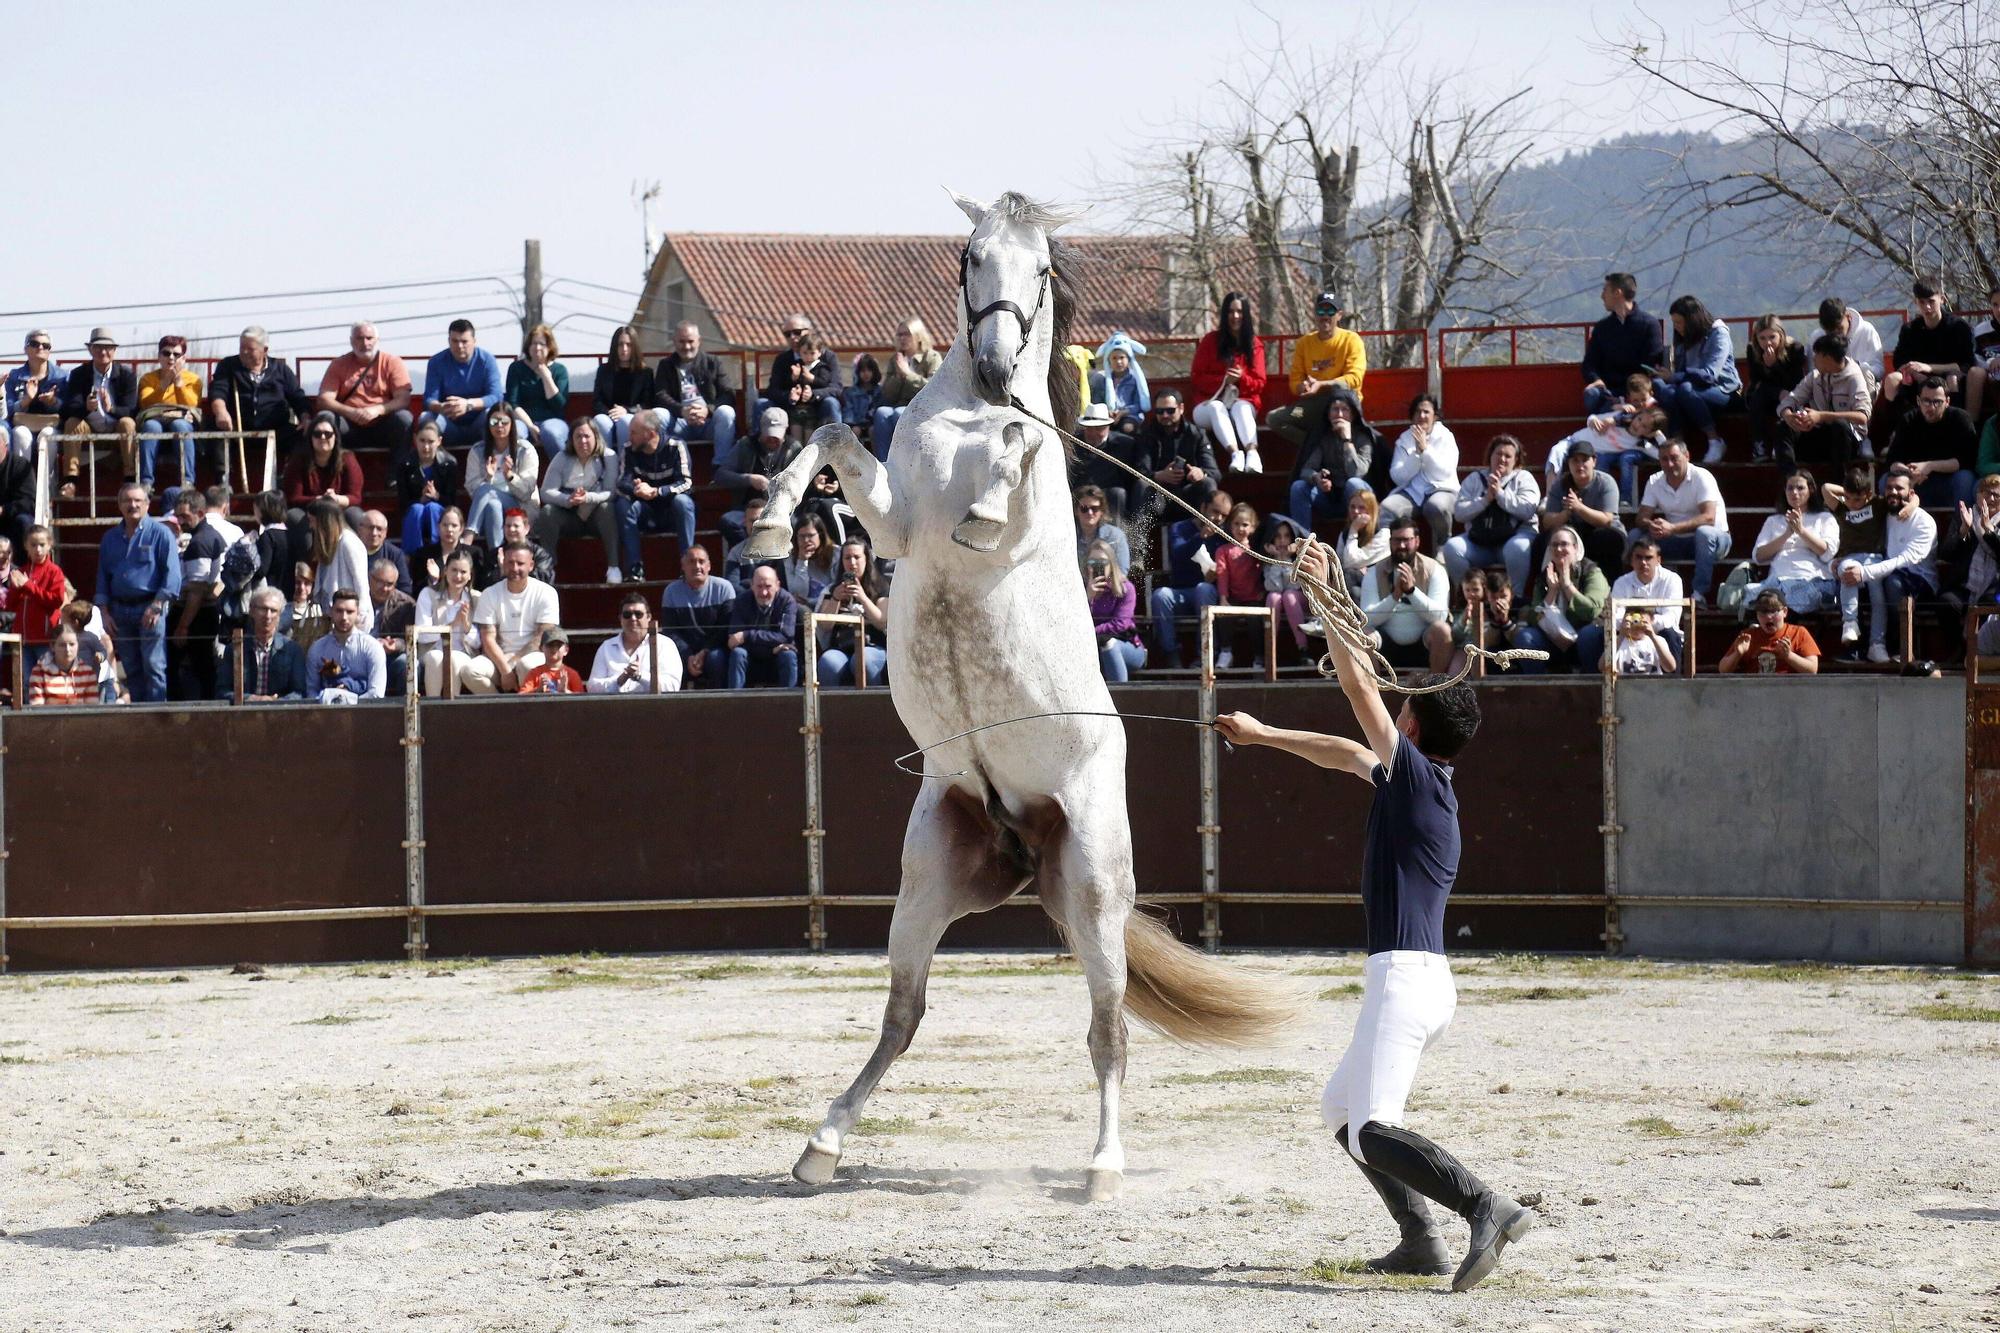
<point>1776,364</point>
<point>554,675</point>
<point>191,645</point>
<point>655,494</point>
<point>304,617</point>
<point>1864,344</point>
<point>823,497</point>
<point>373,529</point>
<point>1586,502</point>
<point>694,391</point>
<point>1642,650</point>
<point>1322,360</point>
<point>1363,543</point>
<point>1091,526</point>
<point>763,634</point>
<point>1407,600</point>
<point>1120,384</point>
<point>514,528</point>
<point>426,482</point>
<point>1798,543</point>
<point>1909,536</point>
<point>1824,419</point>
<point>804,382</point>
<point>1682,510</point>
<point>624,385</point>
<point>628,661</point>
<point>17,487</point>
<point>62,678</point>
<point>811,567</point>
<point>1239,579</point>
<point>1283,597</point>
<point>1333,465</point>
<point>1227,380</point>
<point>448,599</point>
<point>461,385</point>
<point>345,664</point>
<point>100,398</point>
<point>1772,647</point>
<point>1936,344</point>
<point>38,591</point>
<point>737,561</point>
<point>138,578</point>
<point>1646,580</point>
<point>537,393</point>
<point>1087,469</point>
<point>1113,601</point>
<point>1986,350</point>
<point>368,392</point>
<point>1424,470</point>
<point>1497,505</point>
<point>1563,601</point>
<point>749,470</point>
<point>393,612</point>
<point>857,592</point>
<point>513,616</point>
<point>1630,433</point>
<point>34,392</point>
<point>339,559</point>
<point>1968,556</point>
<point>576,497</point>
<point>1704,379</point>
<point>501,473</point>
<point>1485,606</point>
<point>1939,445</point>
<point>1626,342</point>
<point>1190,582</point>
<point>169,403</point>
<point>859,400</point>
<point>255,391</point>
<point>321,470</point>
<point>695,611</point>
<point>274,668</point>
<point>908,371</point>
<point>427,564</point>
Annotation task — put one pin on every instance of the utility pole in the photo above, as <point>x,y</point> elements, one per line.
<point>531,288</point>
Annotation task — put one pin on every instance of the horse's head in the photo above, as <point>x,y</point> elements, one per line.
<point>1005,283</point>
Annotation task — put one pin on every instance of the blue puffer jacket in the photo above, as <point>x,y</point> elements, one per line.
<point>1709,364</point>
<point>1129,394</point>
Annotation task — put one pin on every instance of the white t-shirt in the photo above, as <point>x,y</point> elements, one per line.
<point>1795,559</point>
<point>1637,657</point>
<point>1679,504</point>
<point>515,616</point>
<point>611,660</point>
<point>1666,585</point>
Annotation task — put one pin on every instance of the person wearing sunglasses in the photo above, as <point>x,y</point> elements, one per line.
<point>1094,525</point>
<point>169,396</point>
<point>1176,454</point>
<point>33,394</point>
<point>806,385</point>
<point>625,661</point>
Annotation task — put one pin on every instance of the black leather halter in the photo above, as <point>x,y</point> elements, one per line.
<point>974,317</point>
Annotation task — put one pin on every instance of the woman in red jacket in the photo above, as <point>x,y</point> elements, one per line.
<point>1228,384</point>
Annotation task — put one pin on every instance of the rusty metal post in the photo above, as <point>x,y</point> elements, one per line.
<point>20,672</point>
<point>1210,827</point>
<point>417,937</point>
<point>236,671</point>
<point>1271,647</point>
<point>448,668</point>
<point>859,665</point>
<point>1909,630</point>
<point>1479,640</point>
<point>815,834</point>
<point>1610,828</point>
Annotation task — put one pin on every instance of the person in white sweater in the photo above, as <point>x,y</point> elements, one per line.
<point>1407,600</point>
<point>1497,506</point>
<point>448,601</point>
<point>340,561</point>
<point>1646,580</point>
<point>1424,470</point>
<point>1798,543</point>
<point>627,661</point>
<point>500,474</point>
<point>576,497</point>
<point>1905,570</point>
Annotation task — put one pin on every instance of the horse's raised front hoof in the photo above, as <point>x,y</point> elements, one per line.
<point>1103,1184</point>
<point>770,539</point>
<point>979,534</point>
<point>833,435</point>
<point>815,1165</point>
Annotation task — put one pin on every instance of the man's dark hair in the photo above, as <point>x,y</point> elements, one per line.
<point>1402,521</point>
<point>345,596</point>
<point>1832,346</point>
<point>1935,382</point>
<point>1923,289</point>
<point>505,547</point>
<point>1901,470</point>
<point>1861,470</point>
<point>1832,316</point>
<point>1164,396</point>
<point>1769,600</point>
<point>459,326</point>
<point>1642,544</point>
<point>1446,720</point>
<point>219,496</point>
<point>1625,283</point>
<point>637,599</point>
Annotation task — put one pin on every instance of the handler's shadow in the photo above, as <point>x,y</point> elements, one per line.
<point>279,1225</point>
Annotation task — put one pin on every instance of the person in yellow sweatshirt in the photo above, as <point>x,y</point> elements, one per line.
<point>1327,356</point>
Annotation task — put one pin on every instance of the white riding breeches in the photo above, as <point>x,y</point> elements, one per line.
<point>1407,1001</point>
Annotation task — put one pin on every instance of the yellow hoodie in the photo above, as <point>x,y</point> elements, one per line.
<point>1340,357</point>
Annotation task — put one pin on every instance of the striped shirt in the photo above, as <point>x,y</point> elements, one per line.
<point>51,685</point>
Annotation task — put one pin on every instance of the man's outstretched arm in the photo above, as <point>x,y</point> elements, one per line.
<point>1312,746</point>
<point>1357,681</point>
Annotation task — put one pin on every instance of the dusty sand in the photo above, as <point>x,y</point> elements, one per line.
<point>604,1143</point>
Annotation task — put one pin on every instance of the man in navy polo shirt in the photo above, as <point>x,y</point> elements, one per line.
<point>1410,861</point>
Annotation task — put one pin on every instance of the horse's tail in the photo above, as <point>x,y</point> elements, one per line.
<point>1191,997</point>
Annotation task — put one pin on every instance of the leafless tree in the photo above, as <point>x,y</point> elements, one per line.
<point>1874,124</point>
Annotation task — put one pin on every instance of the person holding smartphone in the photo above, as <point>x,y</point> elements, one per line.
<point>857,590</point>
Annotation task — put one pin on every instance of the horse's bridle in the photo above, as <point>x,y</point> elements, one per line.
<point>974,317</point>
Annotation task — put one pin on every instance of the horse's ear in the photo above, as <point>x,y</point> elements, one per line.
<point>972,208</point>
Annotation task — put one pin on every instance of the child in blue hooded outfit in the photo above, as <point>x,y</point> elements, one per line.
<point>1119,384</point>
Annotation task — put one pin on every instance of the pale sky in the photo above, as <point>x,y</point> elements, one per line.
<point>289,149</point>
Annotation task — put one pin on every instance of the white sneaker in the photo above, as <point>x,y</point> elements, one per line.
<point>1312,629</point>
<point>1235,463</point>
<point>614,575</point>
<point>1224,659</point>
<point>1850,632</point>
<point>1251,462</point>
<point>1714,454</point>
<point>1877,653</point>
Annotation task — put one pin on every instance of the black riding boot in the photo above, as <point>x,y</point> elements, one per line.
<point>1422,1250</point>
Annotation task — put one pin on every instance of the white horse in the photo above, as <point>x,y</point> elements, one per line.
<point>990,622</point>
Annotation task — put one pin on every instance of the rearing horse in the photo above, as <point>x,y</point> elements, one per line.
<point>990,622</point>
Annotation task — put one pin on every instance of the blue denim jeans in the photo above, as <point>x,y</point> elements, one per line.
<point>1311,505</point>
<point>153,434</point>
<point>1462,554</point>
<point>420,524</point>
<point>882,429</point>
<point>719,430</point>
<point>1690,407</point>
<point>666,513</point>
<point>1945,489</point>
<point>780,669</point>
<point>551,436</point>
<point>1560,659</point>
<point>487,514</point>
<point>836,667</point>
<point>1169,604</point>
<point>1802,596</point>
<point>1597,400</point>
<point>1706,545</point>
<point>143,651</point>
<point>463,433</point>
<point>1120,658</point>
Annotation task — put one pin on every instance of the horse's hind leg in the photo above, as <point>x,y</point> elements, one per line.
<point>951,866</point>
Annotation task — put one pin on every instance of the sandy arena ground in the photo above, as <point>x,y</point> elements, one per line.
<point>605,1143</point>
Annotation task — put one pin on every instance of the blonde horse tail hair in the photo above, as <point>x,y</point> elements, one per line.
<point>1204,1001</point>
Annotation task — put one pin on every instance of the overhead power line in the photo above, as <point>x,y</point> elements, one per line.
<point>258,296</point>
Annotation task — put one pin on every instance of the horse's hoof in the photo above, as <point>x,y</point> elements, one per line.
<point>771,539</point>
<point>832,435</point>
<point>1103,1184</point>
<point>815,1165</point>
<point>979,534</point>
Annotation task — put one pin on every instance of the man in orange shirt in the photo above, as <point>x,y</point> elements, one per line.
<point>1773,648</point>
<point>368,392</point>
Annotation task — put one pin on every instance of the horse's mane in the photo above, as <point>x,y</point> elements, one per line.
<point>1065,393</point>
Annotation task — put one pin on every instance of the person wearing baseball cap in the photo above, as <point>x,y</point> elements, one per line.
<point>100,398</point>
<point>1327,356</point>
<point>554,675</point>
<point>756,459</point>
